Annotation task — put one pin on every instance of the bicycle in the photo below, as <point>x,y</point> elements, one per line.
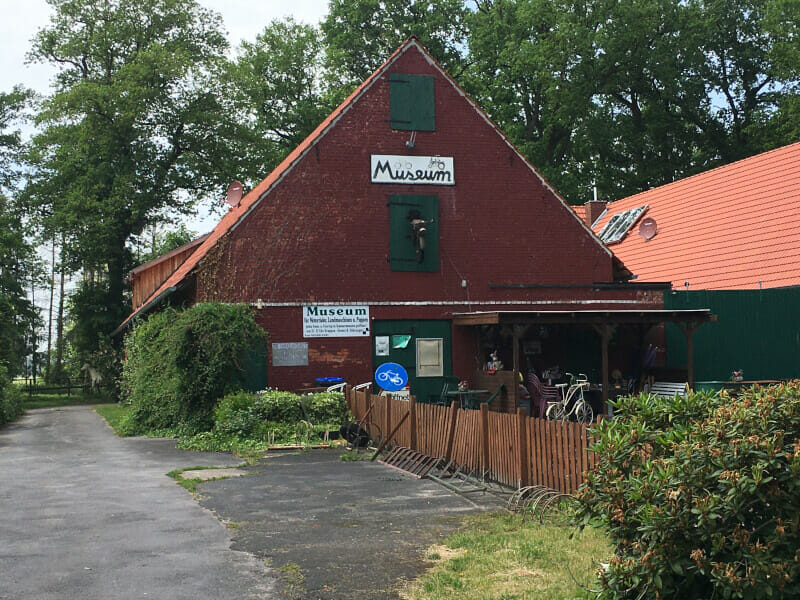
<point>572,402</point>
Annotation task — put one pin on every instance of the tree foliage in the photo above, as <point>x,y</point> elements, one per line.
<point>277,90</point>
<point>638,93</point>
<point>129,130</point>
<point>19,266</point>
<point>180,363</point>
<point>700,495</point>
<point>361,34</point>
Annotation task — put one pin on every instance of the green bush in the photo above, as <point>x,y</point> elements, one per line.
<point>700,496</point>
<point>246,420</point>
<point>247,415</point>
<point>10,399</point>
<point>180,363</point>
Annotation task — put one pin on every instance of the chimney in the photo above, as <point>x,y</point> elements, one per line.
<point>593,209</point>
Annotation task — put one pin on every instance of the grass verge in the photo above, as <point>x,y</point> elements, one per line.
<point>191,483</point>
<point>501,557</point>
<point>113,414</point>
<point>55,400</point>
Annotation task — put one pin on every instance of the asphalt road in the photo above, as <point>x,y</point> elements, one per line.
<point>84,514</point>
<point>338,530</point>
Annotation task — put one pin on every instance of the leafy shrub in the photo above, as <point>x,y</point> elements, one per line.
<point>179,363</point>
<point>326,408</point>
<point>700,495</point>
<point>257,415</point>
<point>246,420</point>
<point>10,398</point>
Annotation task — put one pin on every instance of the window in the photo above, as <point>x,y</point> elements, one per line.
<point>618,225</point>
<point>411,102</point>
<point>414,233</point>
<point>430,357</point>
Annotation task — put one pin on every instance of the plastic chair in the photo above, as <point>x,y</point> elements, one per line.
<point>541,394</point>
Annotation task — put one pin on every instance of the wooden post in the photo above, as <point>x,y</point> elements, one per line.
<point>605,330</point>
<point>387,420</point>
<point>484,426</point>
<point>688,330</point>
<point>451,432</point>
<point>68,388</point>
<point>524,456</point>
<point>412,411</point>
<point>389,436</point>
<point>515,388</point>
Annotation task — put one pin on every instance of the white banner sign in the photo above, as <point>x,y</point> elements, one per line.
<point>430,170</point>
<point>324,320</point>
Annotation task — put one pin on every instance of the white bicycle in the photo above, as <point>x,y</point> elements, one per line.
<point>572,403</point>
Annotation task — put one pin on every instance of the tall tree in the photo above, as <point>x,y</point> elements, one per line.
<point>129,129</point>
<point>360,34</point>
<point>525,69</point>
<point>18,262</point>
<point>277,90</point>
<point>633,94</point>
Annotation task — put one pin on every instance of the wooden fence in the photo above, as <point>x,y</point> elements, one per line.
<point>514,449</point>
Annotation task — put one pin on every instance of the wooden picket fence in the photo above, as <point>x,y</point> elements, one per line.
<point>513,449</point>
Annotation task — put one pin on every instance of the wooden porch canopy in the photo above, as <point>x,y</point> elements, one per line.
<point>603,321</point>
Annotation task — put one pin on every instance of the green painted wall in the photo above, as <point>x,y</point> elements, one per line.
<point>425,389</point>
<point>756,330</point>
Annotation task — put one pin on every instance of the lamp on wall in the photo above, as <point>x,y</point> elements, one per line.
<point>420,230</point>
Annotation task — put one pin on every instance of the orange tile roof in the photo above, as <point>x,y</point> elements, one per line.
<point>579,210</point>
<point>728,228</point>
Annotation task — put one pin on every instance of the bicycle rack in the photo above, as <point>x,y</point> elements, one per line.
<point>530,499</point>
<point>409,461</point>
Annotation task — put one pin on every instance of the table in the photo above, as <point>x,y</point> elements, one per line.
<point>465,397</point>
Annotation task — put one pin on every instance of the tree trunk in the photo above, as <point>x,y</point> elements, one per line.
<point>34,340</point>
<point>60,324</point>
<point>49,376</point>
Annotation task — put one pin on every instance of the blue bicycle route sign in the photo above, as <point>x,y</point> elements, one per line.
<point>391,377</point>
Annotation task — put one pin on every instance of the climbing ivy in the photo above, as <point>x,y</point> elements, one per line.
<point>179,363</point>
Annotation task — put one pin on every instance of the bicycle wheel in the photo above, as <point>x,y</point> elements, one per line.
<point>555,411</point>
<point>584,412</point>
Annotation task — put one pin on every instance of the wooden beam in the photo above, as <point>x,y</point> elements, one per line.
<point>605,332</point>
<point>487,318</point>
<point>688,330</point>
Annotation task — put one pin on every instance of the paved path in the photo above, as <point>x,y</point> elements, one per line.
<point>84,514</point>
<point>346,530</point>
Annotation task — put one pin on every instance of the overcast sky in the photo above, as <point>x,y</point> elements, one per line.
<point>243,19</point>
<point>21,19</point>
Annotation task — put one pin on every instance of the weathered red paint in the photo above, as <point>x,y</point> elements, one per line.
<point>322,235</point>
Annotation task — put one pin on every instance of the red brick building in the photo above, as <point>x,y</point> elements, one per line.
<point>405,207</point>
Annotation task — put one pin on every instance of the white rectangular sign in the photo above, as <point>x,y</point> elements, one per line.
<point>326,320</point>
<point>430,170</point>
<point>381,345</point>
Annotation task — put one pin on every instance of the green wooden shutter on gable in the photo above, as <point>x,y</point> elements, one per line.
<point>411,100</point>
<point>403,254</point>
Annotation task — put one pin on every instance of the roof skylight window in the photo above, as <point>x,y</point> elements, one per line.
<point>619,224</point>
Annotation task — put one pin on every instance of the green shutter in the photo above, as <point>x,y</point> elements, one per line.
<point>411,100</point>
<point>403,255</point>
